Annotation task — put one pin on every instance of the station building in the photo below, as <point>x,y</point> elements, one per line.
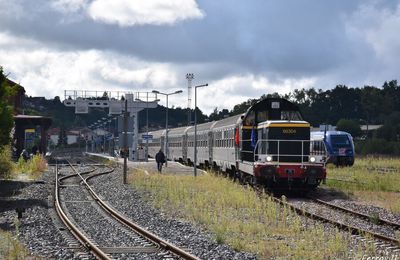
<point>29,131</point>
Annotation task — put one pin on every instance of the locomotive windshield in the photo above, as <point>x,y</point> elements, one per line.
<point>340,141</point>
<point>291,115</point>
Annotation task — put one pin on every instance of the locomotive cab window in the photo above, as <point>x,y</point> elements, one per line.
<point>250,118</point>
<point>262,116</point>
<point>291,115</point>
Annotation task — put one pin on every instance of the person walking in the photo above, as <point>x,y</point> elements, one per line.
<point>160,159</point>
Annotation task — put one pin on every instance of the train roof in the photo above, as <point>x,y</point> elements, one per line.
<point>320,134</point>
<point>274,106</point>
<point>202,127</point>
<point>178,130</point>
<point>283,123</point>
<point>233,120</point>
<point>330,133</point>
<point>157,133</point>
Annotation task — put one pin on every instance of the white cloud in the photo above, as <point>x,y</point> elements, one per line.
<point>139,12</point>
<point>48,72</point>
<point>227,92</point>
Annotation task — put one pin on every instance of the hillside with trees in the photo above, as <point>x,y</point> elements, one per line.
<point>344,106</point>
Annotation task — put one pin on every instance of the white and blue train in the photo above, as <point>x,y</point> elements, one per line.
<point>339,145</point>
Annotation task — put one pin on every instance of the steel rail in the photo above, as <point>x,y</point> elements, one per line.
<point>359,214</point>
<point>353,230</point>
<point>145,233</point>
<point>74,230</point>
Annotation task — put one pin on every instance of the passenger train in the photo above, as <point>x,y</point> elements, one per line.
<point>339,145</point>
<point>268,145</point>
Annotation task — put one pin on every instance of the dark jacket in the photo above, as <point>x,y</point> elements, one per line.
<point>160,157</point>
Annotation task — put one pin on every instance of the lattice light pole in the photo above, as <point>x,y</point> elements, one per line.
<point>189,77</point>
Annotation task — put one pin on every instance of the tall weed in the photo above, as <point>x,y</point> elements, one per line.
<point>239,217</point>
<point>374,180</point>
<point>33,167</point>
<point>6,164</point>
<point>10,247</point>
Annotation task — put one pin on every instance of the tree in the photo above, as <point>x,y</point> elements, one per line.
<point>390,131</point>
<point>372,100</point>
<point>350,126</point>
<point>6,119</point>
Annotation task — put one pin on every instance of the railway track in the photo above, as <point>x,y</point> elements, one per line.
<point>366,227</point>
<point>117,236</point>
<point>376,219</point>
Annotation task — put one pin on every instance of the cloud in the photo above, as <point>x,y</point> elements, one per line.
<point>227,92</point>
<point>138,12</point>
<point>70,6</point>
<point>48,72</point>
<point>379,28</point>
<point>242,49</point>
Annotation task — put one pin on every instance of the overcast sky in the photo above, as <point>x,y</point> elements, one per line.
<point>242,49</point>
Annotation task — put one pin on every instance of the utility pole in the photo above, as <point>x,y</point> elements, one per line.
<point>189,77</point>
<point>195,127</point>
<point>126,115</point>
<point>166,122</point>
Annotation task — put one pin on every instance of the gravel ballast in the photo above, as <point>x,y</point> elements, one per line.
<point>36,228</point>
<point>42,236</point>
<point>181,233</point>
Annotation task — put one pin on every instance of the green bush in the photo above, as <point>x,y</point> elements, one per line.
<point>377,146</point>
<point>350,126</point>
<point>5,162</point>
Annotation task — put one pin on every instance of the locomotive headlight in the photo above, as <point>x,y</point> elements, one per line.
<point>269,158</point>
<point>312,159</point>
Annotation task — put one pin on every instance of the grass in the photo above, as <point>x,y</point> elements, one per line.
<point>10,247</point>
<point>373,180</point>
<point>6,164</point>
<point>238,217</point>
<point>31,169</point>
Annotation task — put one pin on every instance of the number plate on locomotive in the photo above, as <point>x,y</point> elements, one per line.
<point>289,131</point>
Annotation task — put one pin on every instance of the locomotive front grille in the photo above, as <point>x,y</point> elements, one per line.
<point>283,150</point>
<point>285,142</point>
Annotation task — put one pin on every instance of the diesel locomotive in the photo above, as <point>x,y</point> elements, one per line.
<point>268,145</point>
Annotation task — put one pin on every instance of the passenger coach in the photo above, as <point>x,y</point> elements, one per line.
<point>268,145</point>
